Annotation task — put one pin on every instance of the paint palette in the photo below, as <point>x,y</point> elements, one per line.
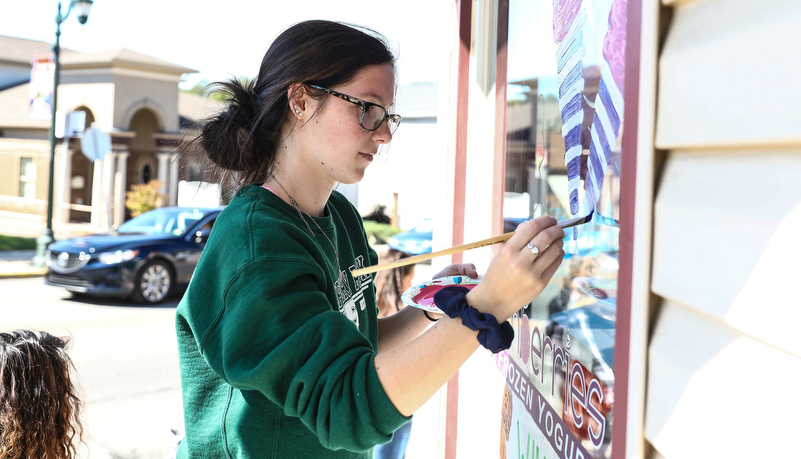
<point>603,290</point>
<point>422,295</point>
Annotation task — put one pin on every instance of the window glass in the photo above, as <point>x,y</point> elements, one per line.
<point>27,178</point>
<point>564,121</point>
<point>162,221</point>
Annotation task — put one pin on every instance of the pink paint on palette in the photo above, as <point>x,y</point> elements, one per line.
<point>422,295</point>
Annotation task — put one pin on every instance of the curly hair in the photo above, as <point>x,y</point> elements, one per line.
<point>39,407</point>
<point>389,283</point>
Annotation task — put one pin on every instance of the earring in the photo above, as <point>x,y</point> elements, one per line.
<point>299,113</point>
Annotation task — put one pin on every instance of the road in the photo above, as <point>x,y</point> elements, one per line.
<point>126,359</point>
<point>127,365</point>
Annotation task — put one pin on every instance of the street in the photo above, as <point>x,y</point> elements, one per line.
<point>126,359</point>
<point>127,366</point>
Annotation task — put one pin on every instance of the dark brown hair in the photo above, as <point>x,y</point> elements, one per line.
<point>241,141</point>
<point>39,406</point>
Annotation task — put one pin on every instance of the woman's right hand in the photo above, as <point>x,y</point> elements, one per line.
<point>517,275</point>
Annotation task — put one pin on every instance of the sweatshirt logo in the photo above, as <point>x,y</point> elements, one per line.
<point>351,301</point>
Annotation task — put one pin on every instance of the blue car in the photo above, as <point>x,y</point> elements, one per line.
<point>146,258</point>
<point>416,241</point>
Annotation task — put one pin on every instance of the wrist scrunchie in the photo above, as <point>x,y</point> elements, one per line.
<point>492,335</point>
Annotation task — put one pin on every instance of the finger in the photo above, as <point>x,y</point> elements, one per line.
<point>554,253</point>
<point>464,269</point>
<point>548,272</point>
<point>545,238</point>
<point>527,230</point>
<point>471,271</point>
<point>467,269</point>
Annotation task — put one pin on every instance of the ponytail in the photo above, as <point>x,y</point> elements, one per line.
<point>239,144</point>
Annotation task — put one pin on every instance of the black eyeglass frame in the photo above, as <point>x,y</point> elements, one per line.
<point>364,106</point>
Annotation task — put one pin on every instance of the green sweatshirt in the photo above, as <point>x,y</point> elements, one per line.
<point>277,350</point>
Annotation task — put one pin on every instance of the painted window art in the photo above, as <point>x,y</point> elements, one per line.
<point>566,76</point>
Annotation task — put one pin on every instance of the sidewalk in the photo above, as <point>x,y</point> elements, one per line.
<point>19,263</point>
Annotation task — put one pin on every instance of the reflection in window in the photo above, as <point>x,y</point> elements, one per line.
<point>564,119</point>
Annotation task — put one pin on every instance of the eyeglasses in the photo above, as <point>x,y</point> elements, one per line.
<point>373,115</point>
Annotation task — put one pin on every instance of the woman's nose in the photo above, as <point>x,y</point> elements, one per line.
<point>383,133</point>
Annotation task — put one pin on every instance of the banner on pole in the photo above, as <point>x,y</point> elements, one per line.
<point>40,93</point>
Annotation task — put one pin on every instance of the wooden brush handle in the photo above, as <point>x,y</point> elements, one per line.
<point>458,249</point>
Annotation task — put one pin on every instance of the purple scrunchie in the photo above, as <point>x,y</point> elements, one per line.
<point>492,335</point>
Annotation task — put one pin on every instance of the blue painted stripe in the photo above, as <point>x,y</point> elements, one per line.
<point>569,52</point>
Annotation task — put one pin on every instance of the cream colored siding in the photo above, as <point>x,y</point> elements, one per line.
<point>718,393</point>
<point>726,240</point>
<point>725,349</point>
<point>729,74</point>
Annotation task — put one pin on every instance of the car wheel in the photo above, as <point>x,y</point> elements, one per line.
<point>154,282</point>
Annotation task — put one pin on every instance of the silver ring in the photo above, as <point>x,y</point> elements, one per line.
<point>534,250</point>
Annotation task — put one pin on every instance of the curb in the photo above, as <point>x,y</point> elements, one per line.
<point>20,275</point>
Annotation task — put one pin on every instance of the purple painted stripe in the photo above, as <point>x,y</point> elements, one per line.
<point>573,137</point>
<point>602,140</point>
<point>574,203</point>
<point>606,99</point>
<point>573,76</point>
<point>590,197</point>
<point>574,167</point>
<point>571,108</point>
<point>598,168</point>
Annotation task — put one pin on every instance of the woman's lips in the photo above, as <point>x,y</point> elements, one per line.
<point>366,156</point>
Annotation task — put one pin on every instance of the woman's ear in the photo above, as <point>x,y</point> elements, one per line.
<point>297,97</point>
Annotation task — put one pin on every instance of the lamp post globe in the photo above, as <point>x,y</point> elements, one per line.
<point>82,8</point>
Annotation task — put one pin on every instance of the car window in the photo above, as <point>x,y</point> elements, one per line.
<point>426,227</point>
<point>162,221</point>
<point>206,228</point>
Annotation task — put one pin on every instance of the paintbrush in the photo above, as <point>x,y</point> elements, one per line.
<point>460,248</point>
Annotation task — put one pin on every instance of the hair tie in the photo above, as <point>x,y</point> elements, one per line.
<point>492,335</point>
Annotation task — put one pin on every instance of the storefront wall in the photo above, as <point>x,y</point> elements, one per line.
<point>709,218</point>
<point>476,410</point>
<point>726,221</point>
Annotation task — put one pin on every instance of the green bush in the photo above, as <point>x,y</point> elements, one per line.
<point>379,233</point>
<point>17,243</point>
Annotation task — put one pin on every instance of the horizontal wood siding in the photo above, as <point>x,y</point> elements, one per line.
<point>717,393</point>
<point>726,344</point>
<point>729,75</point>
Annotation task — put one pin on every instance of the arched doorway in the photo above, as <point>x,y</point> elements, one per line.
<point>142,162</point>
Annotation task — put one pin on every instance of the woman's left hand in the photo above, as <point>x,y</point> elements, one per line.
<point>459,269</point>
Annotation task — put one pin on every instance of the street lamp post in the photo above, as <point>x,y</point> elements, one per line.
<point>82,8</point>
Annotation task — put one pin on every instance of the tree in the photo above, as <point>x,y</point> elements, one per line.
<point>143,197</point>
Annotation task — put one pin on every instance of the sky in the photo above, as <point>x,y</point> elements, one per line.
<point>229,37</point>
